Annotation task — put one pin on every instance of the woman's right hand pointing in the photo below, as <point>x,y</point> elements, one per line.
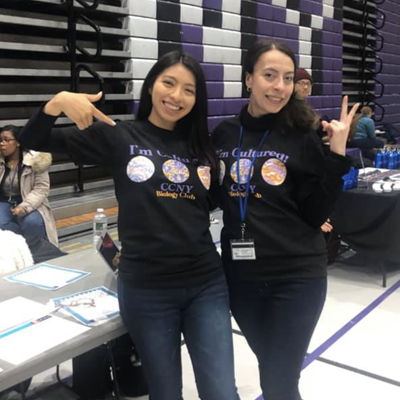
<point>78,107</point>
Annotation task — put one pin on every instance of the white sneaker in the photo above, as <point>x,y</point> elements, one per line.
<point>214,220</point>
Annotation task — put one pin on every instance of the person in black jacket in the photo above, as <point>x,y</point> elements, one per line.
<point>170,279</point>
<point>277,189</point>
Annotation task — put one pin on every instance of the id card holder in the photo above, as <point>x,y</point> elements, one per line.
<point>243,249</point>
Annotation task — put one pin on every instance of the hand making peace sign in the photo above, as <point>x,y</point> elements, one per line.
<point>338,131</point>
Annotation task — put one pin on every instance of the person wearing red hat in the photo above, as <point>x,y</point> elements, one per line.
<point>303,83</point>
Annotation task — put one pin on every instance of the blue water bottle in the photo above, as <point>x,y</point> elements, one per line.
<point>385,157</point>
<point>392,160</point>
<point>378,159</point>
<point>355,177</point>
<point>397,158</point>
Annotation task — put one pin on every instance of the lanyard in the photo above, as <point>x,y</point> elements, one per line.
<point>243,202</point>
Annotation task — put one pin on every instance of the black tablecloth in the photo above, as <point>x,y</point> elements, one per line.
<point>369,223</point>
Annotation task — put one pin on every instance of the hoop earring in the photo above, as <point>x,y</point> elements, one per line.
<point>248,89</point>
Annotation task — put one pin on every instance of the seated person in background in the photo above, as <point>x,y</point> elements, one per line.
<point>365,137</point>
<point>24,187</point>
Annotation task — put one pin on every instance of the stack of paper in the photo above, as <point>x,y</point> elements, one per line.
<point>28,330</point>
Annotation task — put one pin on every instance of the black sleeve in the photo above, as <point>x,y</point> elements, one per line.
<point>215,193</point>
<point>320,184</point>
<point>215,190</point>
<point>93,145</point>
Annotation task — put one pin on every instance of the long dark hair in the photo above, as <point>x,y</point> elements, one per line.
<point>195,123</point>
<point>297,114</point>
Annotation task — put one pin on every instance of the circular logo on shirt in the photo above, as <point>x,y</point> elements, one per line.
<point>222,171</point>
<point>175,171</point>
<point>274,172</point>
<point>244,168</point>
<point>140,169</point>
<point>205,176</point>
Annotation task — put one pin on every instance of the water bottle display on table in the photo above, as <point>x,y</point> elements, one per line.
<point>379,159</point>
<point>392,160</point>
<point>385,158</point>
<point>99,226</point>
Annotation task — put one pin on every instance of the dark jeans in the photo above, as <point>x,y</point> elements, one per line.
<point>156,318</point>
<point>31,225</point>
<point>278,319</point>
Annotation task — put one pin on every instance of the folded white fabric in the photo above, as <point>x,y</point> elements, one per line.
<point>14,252</point>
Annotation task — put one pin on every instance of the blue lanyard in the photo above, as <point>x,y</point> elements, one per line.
<point>243,203</point>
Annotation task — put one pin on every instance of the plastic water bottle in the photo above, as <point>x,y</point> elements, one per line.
<point>378,159</point>
<point>392,160</point>
<point>385,157</point>
<point>397,158</point>
<point>355,177</point>
<point>99,226</point>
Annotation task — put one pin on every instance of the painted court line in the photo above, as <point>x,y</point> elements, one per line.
<point>351,324</point>
<point>346,328</point>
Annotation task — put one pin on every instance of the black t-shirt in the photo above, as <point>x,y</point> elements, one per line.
<point>292,192</point>
<point>163,195</point>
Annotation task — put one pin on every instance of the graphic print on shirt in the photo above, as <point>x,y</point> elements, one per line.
<point>222,171</point>
<point>244,169</point>
<point>175,169</point>
<point>273,170</point>
<point>177,173</point>
<point>204,174</point>
<point>140,169</point>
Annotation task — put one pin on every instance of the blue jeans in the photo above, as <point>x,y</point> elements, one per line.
<point>155,319</point>
<point>30,225</point>
<point>278,319</point>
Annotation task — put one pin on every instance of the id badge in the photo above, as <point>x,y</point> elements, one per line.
<point>243,249</point>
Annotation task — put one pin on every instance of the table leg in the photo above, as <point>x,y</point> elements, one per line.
<point>384,276</point>
<point>113,371</point>
<point>22,387</point>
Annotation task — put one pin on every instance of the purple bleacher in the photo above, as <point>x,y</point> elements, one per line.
<point>214,4</point>
<point>265,27</point>
<point>191,34</point>
<point>305,6</point>
<point>197,51</point>
<point>215,90</point>
<point>315,101</point>
<point>221,107</point>
<point>278,14</point>
<point>216,107</point>
<point>316,9</point>
<point>292,32</point>
<point>280,30</point>
<point>213,72</point>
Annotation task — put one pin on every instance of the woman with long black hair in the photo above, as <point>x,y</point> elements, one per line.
<point>171,280</point>
<point>277,189</point>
